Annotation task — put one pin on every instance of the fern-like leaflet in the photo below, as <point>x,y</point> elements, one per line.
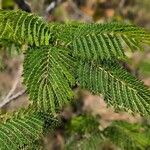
<point>24,28</point>
<point>48,76</point>
<point>119,88</point>
<point>20,129</point>
<point>102,41</point>
<point>128,136</point>
<point>121,134</point>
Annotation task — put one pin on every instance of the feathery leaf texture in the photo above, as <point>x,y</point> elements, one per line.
<point>83,125</point>
<point>10,46</point>
<point>24,28</point>
<point>127,136</point>
<point>120,89</point>
<point>121,134</point>
<point>89,142</point>
<point>48,77</point>
<point>55,50</point>
<point>58,56</point>
<point>21,129</point>
<point>102,41</point>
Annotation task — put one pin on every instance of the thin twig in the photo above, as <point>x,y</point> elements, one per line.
<point>13,97</point>
<point>13,88</point>
<point>52,6</point>
<point>10,93</point>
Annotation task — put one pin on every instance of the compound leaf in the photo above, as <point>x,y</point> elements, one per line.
<point>120,89</point>
<point>48,77</point>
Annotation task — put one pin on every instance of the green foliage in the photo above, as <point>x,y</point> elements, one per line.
<point>20,129</point>
<point>89,142</point>
<point>124,135</point>
<point>145,67</point>
<point>82,124</point>
<point>120,89</point>
<point>83,133</point>
<point>24,28</point>
<point>24,128</point>
<point>128,136</point>
<point>59,56</point>
<point>48,77</point>
<point>7,4</point>
<point>10,46</point>
<point>102,41</point>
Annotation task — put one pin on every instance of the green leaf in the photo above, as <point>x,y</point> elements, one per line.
<point>19,129</point>
<point>88,142</point>
<point>83,133</point>
<point>48,77</point>
<point>120,89</point>
<point>127,136</point>
<point>11,47</point>
<point>82,124</point>
<point>101,41</point>
<point>24,28</point>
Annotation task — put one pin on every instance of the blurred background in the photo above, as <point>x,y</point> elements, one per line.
<point>12,92</point>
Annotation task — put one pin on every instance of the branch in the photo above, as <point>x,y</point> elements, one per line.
<point>23,5</point>
<point>13,97</point>
<point>9,97</point>
<point>52,6</point>
<point>12,89</point>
